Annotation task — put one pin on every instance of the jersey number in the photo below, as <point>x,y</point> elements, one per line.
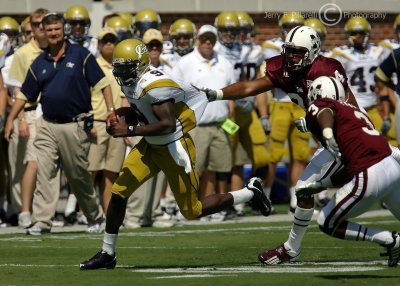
<point>358,80</point>
<point>156,73</point>
<point>370,127</point>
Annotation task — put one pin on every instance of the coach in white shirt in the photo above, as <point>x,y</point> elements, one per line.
<point>204,67</point>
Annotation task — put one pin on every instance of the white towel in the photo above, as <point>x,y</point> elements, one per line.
<point>180,155</point>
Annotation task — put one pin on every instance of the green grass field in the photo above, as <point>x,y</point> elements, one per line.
<point>224,254</point>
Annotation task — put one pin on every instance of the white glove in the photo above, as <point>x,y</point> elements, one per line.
<point>266,124</point>
<point>310,189</point>
<point>301,125</point>
<point>330,143</point>
<point>386,123</point>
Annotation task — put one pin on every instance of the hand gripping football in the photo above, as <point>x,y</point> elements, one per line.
<point>127,114</point>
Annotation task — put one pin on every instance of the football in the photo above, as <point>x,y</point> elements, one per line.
<point>128,115</point>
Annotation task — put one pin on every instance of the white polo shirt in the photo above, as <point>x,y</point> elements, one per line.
<point>215,74</point>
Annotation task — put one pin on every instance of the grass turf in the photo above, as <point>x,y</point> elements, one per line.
<point>224,254</point>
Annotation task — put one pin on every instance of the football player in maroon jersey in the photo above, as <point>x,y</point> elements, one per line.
<point>293,71</point>
<point>347,132</point>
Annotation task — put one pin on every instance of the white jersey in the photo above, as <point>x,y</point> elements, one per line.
<point>272,48</point>
<point>169,57</point>
<point>90,43</point>
<point>233,56</point>
<point>215,74</point>
<point>154,87</point>
<point>4,48</point>
<point>360,69</point>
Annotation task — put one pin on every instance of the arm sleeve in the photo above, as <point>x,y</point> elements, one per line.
<point>93,73</point>
<point>387,68</point>
<point>31,87</point>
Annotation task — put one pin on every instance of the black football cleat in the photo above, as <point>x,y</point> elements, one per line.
<point>260,200</point>
<point>101,260</point>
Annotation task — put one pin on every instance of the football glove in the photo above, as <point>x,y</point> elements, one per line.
<point>266,124</point>
<point>301,125</point>
<point>386,123</point>
<point>330,143</point>
<point>212,94</point>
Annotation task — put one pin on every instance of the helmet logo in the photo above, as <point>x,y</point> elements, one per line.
<point>315,92</point>
<point>140,50</point>
<point>315,41</point>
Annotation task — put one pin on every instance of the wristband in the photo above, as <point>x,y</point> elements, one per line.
<point>110,109</point>
<point>131,130</point>
<point>220,94</point>
<point>327,133</point>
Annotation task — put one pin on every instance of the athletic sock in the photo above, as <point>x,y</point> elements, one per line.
<point>109,243</point>
<point>301,220</point>
<point>241,196</point>
<point>293,198</point>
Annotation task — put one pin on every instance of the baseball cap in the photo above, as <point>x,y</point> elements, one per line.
<point>106,31</point>
<point>207,29</point>
<point>152,35</point>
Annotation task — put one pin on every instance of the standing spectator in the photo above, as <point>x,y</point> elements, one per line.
<point>166,110</point>
<point>106,153</point>
<point>20,64</point>
<point>26,30</point>
<point>63,76</point>
<point>388,68</point>
<point>77,28</point>
<point>202,67</point>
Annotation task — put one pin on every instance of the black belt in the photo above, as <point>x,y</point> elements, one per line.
<point>63,120</point>
<point>30,108</point>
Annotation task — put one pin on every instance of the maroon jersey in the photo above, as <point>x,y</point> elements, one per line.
<point>360,144</point>
<point>296,83</point>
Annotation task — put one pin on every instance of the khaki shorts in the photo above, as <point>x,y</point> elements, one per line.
<point>282,117</point>
<point>213,149</point>
<point>106,152</point>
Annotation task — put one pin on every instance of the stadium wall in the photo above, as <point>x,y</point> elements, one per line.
<point>380,14</point>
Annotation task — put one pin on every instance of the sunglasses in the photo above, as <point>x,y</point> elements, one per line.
<point>205,38</point>
<point>111,40</point>
<point>28,32</point>
<point>35,25</point>
<point>157,46</point>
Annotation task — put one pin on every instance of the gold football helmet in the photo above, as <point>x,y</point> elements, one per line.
<point>288,21</point>
<point>146,19</point>
<point>182,28</point>
<point>130,61</point>
<point>121,26</point>
<point>246,29</point>
<point>227,24</point>
<point>75,15</point>
<point>10,27</point>
<point>127,17</point>
<point>358,26</point>
<point>317,25</point>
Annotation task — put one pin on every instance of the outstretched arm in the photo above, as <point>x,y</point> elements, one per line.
<point>247,88</point>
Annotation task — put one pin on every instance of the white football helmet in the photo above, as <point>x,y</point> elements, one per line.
<point>302,42</point>
<point>326,87</point>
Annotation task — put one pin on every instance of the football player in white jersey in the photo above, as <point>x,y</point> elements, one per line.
<point>249,142</point>
<point>388,98</point>
<point>318,26</point>
<point>182,35</point>
<point>77,28</point>
<point>283,115</point>
<point>166,110</point>
<point>360,60</point>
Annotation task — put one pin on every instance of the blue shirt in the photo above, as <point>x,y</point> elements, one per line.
<point>64,85</point>
<point>389,66</point>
